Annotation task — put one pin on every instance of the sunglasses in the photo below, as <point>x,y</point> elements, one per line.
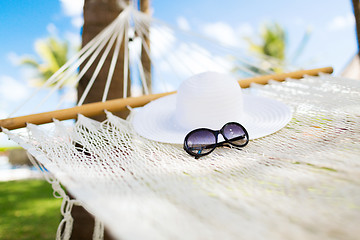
<point>203,141</point>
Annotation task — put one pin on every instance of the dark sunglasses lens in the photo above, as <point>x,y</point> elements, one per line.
<point>201,142</point>
<point>235,134</point>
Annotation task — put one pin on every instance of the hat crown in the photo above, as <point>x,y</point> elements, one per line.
<point>208,100</point>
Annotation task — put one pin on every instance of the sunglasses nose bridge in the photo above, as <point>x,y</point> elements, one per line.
<point>216,133</point>
<point>222,137</point>
<point>222,133</point>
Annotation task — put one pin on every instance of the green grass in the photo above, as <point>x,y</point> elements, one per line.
<point>28,210</point>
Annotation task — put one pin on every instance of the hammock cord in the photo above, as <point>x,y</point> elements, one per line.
<point>103,57</point>
<point>98,230</point>
<point>66,224</point>
<point>184,60</point>
<point>140,29</point>
<point>113,64</point>
<point>97,45</point>
<point>74,62</point>
<point>126,58</point>
<point>218,58</point>
<point>171,55</point>
<point>216,44</point>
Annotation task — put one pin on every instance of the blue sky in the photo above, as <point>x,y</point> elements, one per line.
<point>332,41</point>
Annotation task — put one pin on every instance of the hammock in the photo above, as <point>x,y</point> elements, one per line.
<point>299,183</point>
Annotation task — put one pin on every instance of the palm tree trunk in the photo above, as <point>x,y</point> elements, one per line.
<point>356,7</point>
<point>145,59</point>
<point>97,15</point>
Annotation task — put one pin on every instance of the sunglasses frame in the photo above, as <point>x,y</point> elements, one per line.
<point>216,134</point>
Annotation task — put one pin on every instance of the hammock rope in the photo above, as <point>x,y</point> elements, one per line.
<point>113,64</point>
<point>307,189</point>
<point>71,66</point>
<point>177,58</point>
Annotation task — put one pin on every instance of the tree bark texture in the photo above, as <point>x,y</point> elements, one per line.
<point>356,7</point>
<point>145,59</point>
<point>97,15</point>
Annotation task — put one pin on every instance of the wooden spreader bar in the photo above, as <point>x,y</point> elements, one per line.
<point>94,109</point>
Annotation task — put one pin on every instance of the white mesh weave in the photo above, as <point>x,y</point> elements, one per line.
<point>302,182</point>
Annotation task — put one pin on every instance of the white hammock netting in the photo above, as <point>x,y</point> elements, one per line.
<point>302,182</point>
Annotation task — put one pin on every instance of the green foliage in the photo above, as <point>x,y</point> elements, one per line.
<point>53,54</point>
<point>271,44</point>
<point>28,210</point>
<point>272,41</point>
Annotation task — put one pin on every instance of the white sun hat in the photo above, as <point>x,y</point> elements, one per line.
<point>209,100</point>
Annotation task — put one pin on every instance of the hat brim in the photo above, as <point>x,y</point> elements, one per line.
<point>156,120</point>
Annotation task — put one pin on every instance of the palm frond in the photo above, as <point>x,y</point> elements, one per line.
<point>53,54</point>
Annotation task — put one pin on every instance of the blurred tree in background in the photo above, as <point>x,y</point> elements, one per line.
<point>271,46</point>
<point>272,41</point>
<point>53,53</point>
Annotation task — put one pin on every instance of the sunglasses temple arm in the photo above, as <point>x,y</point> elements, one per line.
<point>205,147</point>
<point>200,149</point>
<point>233,139</point>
